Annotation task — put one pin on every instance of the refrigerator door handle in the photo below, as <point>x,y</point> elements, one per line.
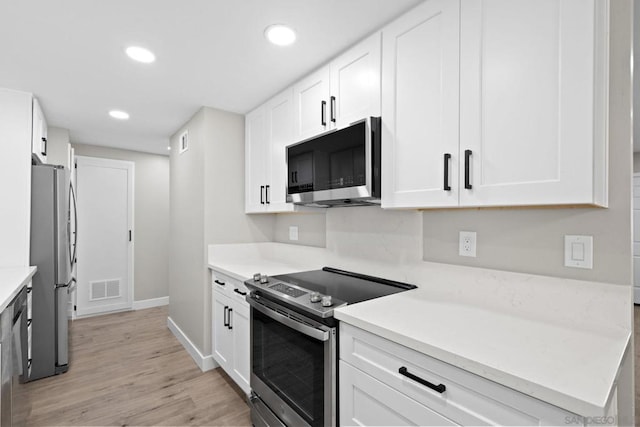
<point>72,254</point>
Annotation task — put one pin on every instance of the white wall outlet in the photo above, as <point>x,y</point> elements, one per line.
<point>578,251</point>
<point>467,243</point>
<point>293,232</point>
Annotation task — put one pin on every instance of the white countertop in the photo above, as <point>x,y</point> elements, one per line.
<point>559,340</point>
<point>11,282</point>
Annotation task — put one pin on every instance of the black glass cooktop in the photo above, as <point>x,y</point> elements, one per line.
<point>344,285</point>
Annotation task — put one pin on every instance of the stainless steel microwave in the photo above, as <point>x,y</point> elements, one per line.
<point>337,168</point>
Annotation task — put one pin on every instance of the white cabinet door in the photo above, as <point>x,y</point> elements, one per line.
<point>39,132</point>
<point>367,401</point>
<point>530,110</point>
<point>222,336</point>
<point>256,160</point>
<point>420,103</point>
<point>279,112</point>
<point>241,330</point>
<point>311,109</point>
<point>355,83</point>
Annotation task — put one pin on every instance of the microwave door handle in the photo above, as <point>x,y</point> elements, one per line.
<point>293,324</point>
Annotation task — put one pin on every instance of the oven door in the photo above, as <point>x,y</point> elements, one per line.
<point>293,364</point>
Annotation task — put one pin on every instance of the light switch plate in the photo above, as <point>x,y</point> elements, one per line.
<point>293,232</point>
<point>578,251</point>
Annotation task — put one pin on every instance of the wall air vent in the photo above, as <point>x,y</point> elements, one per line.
<point>184,142</point>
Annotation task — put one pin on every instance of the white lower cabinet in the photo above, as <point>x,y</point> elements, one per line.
<point>230,328</point>
<point>374,392</point>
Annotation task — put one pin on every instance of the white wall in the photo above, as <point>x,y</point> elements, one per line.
<point>151,217</point>
<point>15,177</point>
<point>207,206</point>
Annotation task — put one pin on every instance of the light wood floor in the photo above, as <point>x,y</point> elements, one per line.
<point>129,369</point>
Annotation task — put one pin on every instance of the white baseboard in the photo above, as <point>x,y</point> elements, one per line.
<point>205,363</point>
<point>150,303</point>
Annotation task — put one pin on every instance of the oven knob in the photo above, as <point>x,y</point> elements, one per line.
<point>264,279</point>
<point>315,297</point>
<point>326,301</point>
<point>256,277</point>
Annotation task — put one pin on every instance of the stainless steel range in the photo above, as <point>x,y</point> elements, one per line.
<point>293,342</point>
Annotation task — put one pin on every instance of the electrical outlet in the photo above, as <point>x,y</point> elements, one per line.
<point>293,232</point>
<point>467,243</point>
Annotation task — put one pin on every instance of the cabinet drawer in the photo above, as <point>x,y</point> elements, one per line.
<point>468,398</point>
<point>370,402</point>
<point>227,285</point>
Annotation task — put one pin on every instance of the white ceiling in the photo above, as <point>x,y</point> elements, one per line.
<point>70,54</point>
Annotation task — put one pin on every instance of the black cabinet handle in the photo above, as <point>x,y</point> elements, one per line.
<point>44,147</point>
<point>266,193</point>
<point>467,161</point>
<point>447,159</point>
<point>29,321</point>
<point>239,292</point>
<point>226,311</point>
<point>333,109</point>
<point>440,388</point>
<point>323,113</point>
<point>261,196</point>
<point>230,326</point>
<point>219,282</point>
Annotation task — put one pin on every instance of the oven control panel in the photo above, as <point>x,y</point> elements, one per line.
<point>313,302</point>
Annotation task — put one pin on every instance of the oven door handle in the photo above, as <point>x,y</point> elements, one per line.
<point>293,324</point>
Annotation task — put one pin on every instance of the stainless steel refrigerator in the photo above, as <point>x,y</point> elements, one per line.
<point>52,250</point>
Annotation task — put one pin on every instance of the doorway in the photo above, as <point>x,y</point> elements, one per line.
<point>105,235</point>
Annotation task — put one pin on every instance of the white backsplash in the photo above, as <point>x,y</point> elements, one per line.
<point>375,234</point>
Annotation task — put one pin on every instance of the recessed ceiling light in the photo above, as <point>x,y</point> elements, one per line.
<point>140,54</point>
<point>280,34</point>
<point>120,115</point>
<point>169,147</point>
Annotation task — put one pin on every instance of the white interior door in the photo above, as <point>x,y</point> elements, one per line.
<point>105,235</point>
<point>636,238</point>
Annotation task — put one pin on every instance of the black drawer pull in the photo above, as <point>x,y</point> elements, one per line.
<point>226,310</point>
<point>440,388</point>
<point>219,282</point>
<point>229,325</point>
<point>239,292</point>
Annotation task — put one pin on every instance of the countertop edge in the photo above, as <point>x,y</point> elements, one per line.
<point>545,394</point>
<point>30,271</point>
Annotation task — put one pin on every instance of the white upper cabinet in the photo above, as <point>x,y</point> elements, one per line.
<point>280,133</point>
<point>343,92</point>
<point>355,83</point>
<point>311,103</point>
<point>268,130</point>
<point>519,104</point>
<point>532,110</point>
<point>256,160</point>
<point>420,107</point>
<point>39,133</point>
